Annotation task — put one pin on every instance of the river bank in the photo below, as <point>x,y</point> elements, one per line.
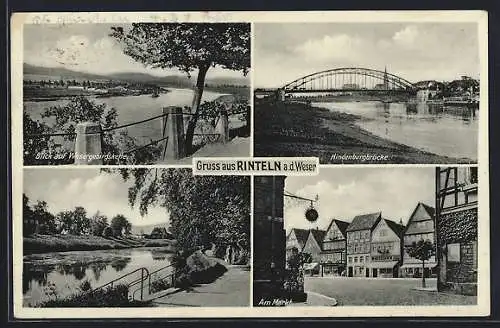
<point>37,243</point>
<point>298,129</point>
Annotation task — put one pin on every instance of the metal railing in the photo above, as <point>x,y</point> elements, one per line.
<point>164,137</point>
<point>155,276</point>
<point>144,276</point>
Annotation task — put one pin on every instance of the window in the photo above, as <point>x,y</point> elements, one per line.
<point>361,259</point>
<point>383,233</point>
<point>356,259</point>
<point>349,259</point>
<point>473,174</point>
<point>453,253</point>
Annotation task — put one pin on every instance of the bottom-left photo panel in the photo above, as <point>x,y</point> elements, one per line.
<point>134,238</point>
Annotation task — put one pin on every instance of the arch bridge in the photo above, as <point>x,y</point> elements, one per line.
<point>349,79</point>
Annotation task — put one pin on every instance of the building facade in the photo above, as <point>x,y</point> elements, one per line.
<point>420,226</point>
<point>359,244</point>
<point>313,247</point>
<point>456,226</point>
<point>386,249</point>
<point>333,255</point>
<point>296,239</point>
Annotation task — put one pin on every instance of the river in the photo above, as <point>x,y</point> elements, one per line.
<point>448,131</point>
<point>136,108</point>
<point>67,270</point>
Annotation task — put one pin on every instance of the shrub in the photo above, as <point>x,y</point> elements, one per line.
<point>161,284</point>
<point>109,297</point>
<point>107,232</point>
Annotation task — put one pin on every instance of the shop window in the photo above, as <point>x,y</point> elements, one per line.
<point>453,252</point>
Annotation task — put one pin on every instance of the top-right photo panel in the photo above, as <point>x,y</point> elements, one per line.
<point>368,93</point>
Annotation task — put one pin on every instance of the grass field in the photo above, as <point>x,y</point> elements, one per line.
<point>359,291</point>
<point>63,243</point>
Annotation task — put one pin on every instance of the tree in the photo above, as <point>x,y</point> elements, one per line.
<point>66,117</point>
<point>98,223</point>
<point>29,225</point>
<point>203,209</point>
<point>46,221</point>
<point>119,224</point>
<point>74,222</point>
<point>188,47</point>
<point>107,232</point>
<point>422,250</point>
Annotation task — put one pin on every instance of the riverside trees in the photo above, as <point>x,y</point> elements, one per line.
<point>188,47</point>
<point>203,209</point>
<point>38,219</point>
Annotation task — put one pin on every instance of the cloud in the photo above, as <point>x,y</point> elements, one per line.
<point>102,192</point>
<point>407,37</point>
<point>344,194</point>
<point>414,51</point>
<point>339,46</point>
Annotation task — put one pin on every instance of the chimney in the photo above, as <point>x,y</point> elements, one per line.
<point>401,221</point>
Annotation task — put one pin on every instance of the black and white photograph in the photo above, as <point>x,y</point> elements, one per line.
<point>367,237</point>
<point>134,238</point>
<point>140,93</point>
<point>361,93</point>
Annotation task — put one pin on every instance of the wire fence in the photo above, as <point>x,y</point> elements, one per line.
<point>152,142</point>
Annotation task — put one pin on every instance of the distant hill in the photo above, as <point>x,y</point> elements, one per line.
<point>169,80</point>
<point>137,230</point>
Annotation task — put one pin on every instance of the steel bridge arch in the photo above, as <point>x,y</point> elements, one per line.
<point>391,78</point>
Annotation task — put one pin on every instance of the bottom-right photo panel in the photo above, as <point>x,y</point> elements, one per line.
<point>367,236</point>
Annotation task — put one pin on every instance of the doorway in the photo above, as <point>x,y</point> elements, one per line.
<point>374,273</point>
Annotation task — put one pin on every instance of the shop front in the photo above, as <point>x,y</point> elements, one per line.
<point>384,269</point>
<point>414,270</point>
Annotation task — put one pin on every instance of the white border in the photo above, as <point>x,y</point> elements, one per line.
<point>480,17</point>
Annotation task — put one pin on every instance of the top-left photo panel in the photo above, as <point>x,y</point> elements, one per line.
<point>135,93</point>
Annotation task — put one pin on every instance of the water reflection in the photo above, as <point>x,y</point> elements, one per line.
<point>68,270</point>
<point>444,130</point>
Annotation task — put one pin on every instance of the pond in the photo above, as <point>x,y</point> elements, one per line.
<point>68,270</point>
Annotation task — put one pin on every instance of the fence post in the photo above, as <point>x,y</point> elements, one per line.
<point>88,143</point>
<point>222,127</point>
<point>175,127</point>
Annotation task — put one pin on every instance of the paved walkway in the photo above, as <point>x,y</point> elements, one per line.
<point>316,299</point>
<point>231,289</point>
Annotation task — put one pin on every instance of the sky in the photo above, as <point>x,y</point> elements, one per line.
<point>346,192</point>
<point>64,189</point>
<point>89,48</point>
<point>414,51</point>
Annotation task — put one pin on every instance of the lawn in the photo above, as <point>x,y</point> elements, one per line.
<point>359,291</point>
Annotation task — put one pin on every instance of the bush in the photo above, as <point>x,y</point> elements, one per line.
<point>197,269</point>
<point>107,232</point>
<point>161,284</point>
<point>109,297</point>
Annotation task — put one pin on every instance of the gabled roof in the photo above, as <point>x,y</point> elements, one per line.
<point>410,228</point>
<point>342,225</point>
<point>301,235</point>
<point>319,235</point>
<point>429,209</point>
<point>364,222</point>
<point>396,227</point>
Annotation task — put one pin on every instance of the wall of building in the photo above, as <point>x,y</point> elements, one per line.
<point>457,235</point>
<point>313,248</point>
